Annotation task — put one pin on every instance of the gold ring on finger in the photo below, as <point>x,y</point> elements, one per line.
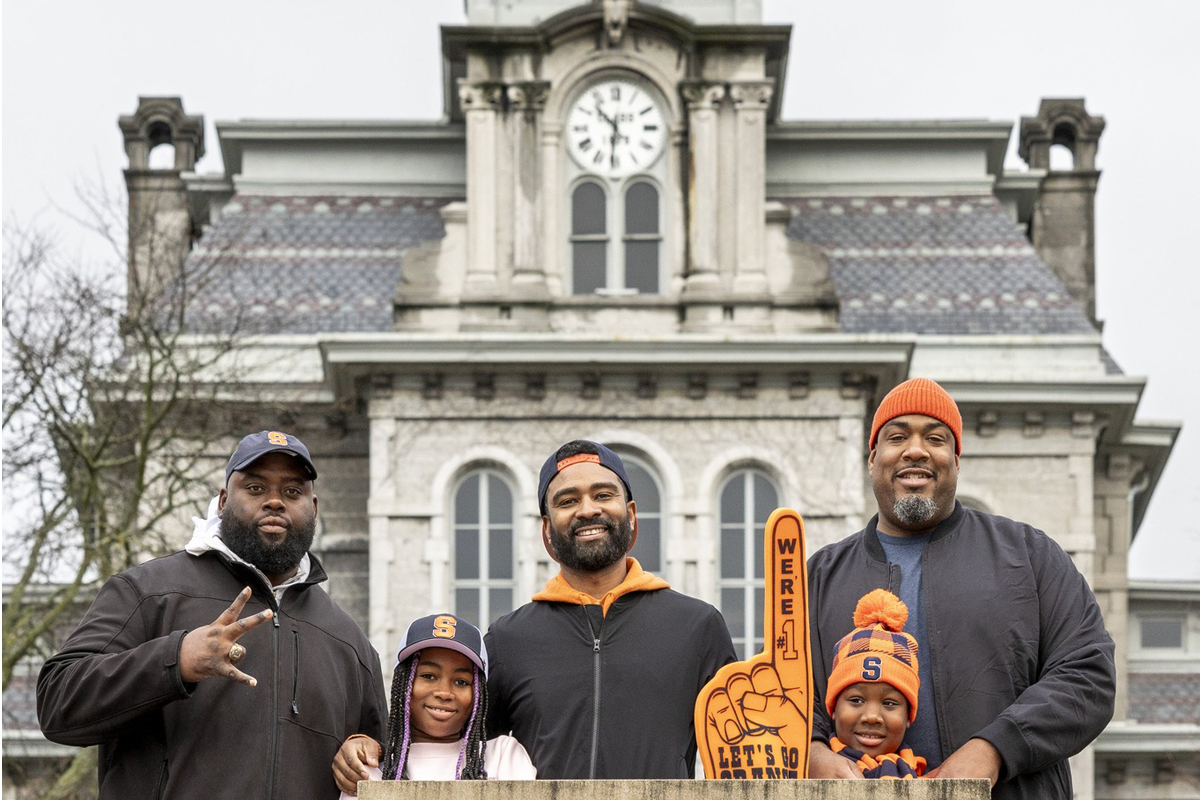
<point>236,653</point>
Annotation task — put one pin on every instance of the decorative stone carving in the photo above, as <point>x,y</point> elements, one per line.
<point>432,386</point>
<point>589,385</point>
<point>528,95</point>
<point>1035,423</point>
<point>701,95</point>
<point>535,386</point>
<point>616,20</point>
<point>1083,424</point>
<point>988,424</point>
<point>752,94</point>
<point>485,95</point>
<point>485,386</point>
<point>853,385</point>
<point>798,385</point>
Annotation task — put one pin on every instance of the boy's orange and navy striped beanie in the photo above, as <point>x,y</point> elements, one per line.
<point>876,651</point>
<point>919,396</point>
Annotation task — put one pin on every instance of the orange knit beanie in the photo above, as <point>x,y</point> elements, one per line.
<point>919,396</point>
<point>876,651</point>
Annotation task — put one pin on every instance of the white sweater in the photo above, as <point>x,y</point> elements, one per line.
<point>506,760</point>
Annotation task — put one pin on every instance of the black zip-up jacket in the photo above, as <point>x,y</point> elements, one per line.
<point>1021,657</point>
<point>594,695</point>
<point>116,684</point>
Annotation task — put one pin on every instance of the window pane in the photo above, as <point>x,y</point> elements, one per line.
<point>733,552</point>
<point>499,501</point>
<point>759,599</point>
<point>733,608</point>
<point>641,266</point>
<point>648,550</point>
<point>466,554</point>
<point>641,209</point>
<point>1162,633</point>
<point>500,553</point>
<point>501,602</point>
<point>757,536</point>
<point>466,502</point>
<point>644,489</point>
<point>466,604</point>
<point>588,262</point>
<point>733,510</point>
<point>588,210</point>
<point>765,500</point>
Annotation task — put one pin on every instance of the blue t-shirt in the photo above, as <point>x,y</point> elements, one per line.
<point>905,552</point>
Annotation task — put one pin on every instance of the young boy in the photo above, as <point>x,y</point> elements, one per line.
<point>872,690</point>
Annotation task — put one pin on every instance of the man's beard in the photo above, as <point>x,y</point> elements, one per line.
<point>914,510</point>
<point>593,556</point>
<point>279,558</point>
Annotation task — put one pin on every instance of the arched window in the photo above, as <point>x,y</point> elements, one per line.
<point>162,156</point>
<point>642,237</point>
<point>484,561</point>
<point>589,238</point>
<point>747,500</point>
<point>648,495</point>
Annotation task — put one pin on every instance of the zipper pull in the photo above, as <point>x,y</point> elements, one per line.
<point>295,708</point>
<point>595,645</point>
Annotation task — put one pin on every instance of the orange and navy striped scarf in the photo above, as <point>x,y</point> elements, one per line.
<point>889,766</point>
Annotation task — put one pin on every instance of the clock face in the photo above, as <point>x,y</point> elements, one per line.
<point>615,128</point>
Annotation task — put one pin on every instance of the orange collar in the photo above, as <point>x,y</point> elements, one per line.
<point>636,580</point>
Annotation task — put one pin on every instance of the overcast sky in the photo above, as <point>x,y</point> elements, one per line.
<point>71,68</point>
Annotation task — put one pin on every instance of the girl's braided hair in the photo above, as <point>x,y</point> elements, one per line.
<point>399,734</point>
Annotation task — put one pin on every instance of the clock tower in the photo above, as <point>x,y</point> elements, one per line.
<point>615,174</point>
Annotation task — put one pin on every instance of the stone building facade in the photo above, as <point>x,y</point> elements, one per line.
<point>612,234</point>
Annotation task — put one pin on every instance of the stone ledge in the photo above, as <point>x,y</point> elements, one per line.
<point>676,790</point>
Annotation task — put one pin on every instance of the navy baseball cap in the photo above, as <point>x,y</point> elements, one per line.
<point>600,455</point>
<point>257,445</point>
<point>448,631</point>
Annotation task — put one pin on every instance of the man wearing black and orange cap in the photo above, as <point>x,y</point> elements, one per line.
<point>223,670</point>
<point>1017,670</point>
<point>598,676</point>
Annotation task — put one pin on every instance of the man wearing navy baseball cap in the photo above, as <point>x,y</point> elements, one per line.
<point>598,676</point>
<point>163,673</point>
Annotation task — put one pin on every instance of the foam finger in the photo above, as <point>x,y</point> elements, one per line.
<point>722,717</point>
<point>765,680</point>
<point>785,623</point>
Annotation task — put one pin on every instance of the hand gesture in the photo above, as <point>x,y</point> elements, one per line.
<point>753,717</point>
<point>351,762</point>
<point>213,650</point>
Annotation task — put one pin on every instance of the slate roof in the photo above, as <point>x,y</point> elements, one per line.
<point>310,264</point>
<point>1164,697</point>
<point>20,703</point>
<point>947,265</point>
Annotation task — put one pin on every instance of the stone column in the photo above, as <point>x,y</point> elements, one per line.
<point>750,102</point>
<point>481,104</point>
<point>702,98</point>
<point>526,100</point>
<point>554,221</point>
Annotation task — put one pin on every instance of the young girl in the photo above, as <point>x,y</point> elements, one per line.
<point>439,712</point>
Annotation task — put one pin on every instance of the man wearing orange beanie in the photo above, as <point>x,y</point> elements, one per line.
<point>1016,672</point>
